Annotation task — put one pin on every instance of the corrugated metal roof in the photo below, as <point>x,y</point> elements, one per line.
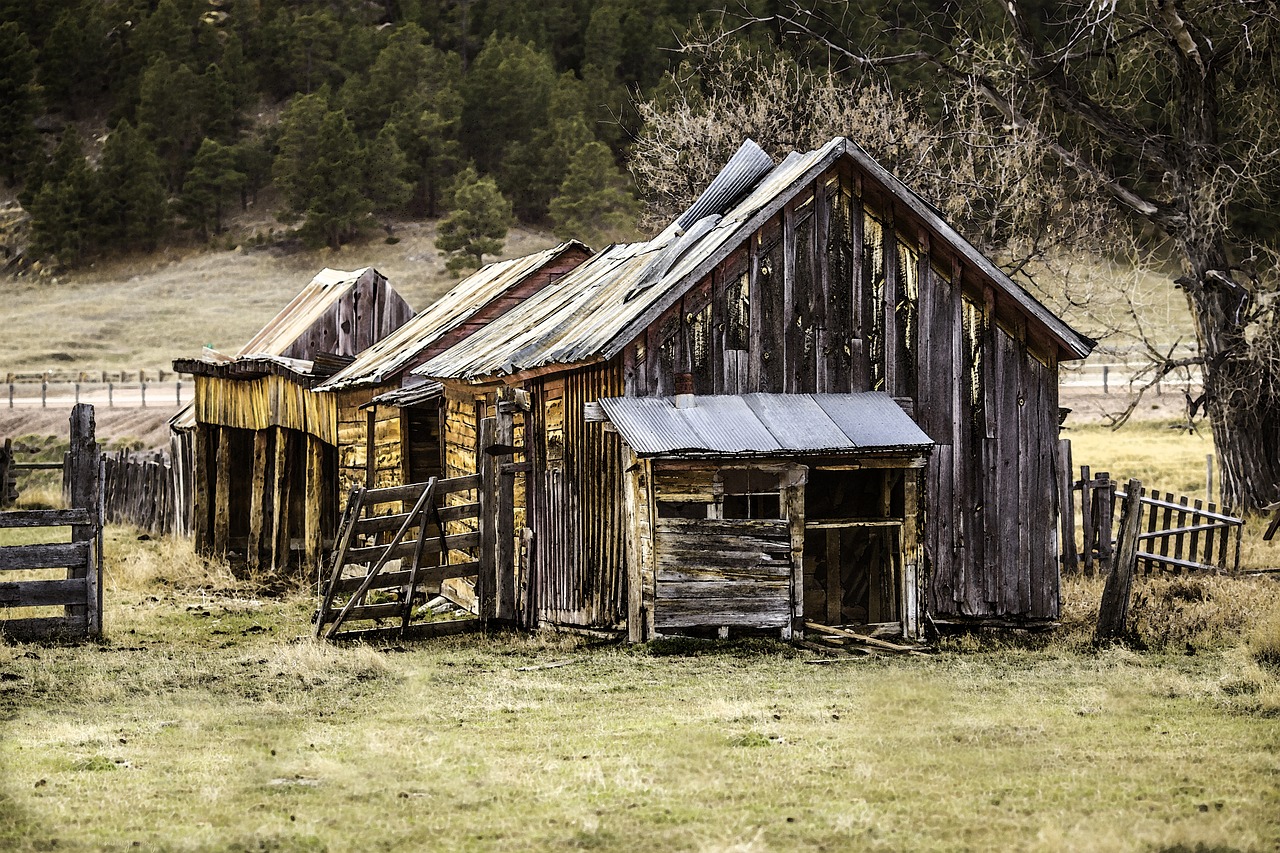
<point>765,425</point>
<point>414,395</point>
<point>594,311</point>
<point>303,310</point>
<point>463,302</point>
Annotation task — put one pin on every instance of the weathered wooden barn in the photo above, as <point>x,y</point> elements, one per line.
<point>808,398</point>
<point>264,447</point>
<point>383,445</point>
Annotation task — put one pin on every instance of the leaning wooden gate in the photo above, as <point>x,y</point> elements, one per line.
<point>25,570</point>
<point>1181,534</point>
<point>384,561</point>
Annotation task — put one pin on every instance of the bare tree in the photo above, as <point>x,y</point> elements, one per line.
<point>1169,108</point>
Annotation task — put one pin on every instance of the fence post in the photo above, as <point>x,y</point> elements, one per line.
<point>44,391</point>
<point>84,474</point>
<point>142,385</point>
<point>1105,371</point>
<point>1114,612</point>
<point>111,395</point>
<point>177,392</point>
<point>11,395</point>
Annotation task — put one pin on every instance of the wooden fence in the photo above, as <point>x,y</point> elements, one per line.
<point>140,490</point>
<point>1181,534</point>
<point>25,569</point>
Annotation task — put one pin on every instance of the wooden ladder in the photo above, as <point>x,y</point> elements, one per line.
<point>367,565</point>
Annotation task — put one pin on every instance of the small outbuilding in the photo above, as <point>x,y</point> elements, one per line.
<point>807,398</point>
<point>387,444</point>
<point>263,446</point>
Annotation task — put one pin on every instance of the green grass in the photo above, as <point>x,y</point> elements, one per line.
<point>208,720</point>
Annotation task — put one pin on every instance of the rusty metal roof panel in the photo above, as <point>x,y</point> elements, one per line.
<point>580,317</point>
<point>384,358</point>
<point>413,395</point>
<point>765,425</point>
<point>594,311</point>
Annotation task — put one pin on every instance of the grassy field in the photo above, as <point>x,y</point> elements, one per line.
<point>208,720</point>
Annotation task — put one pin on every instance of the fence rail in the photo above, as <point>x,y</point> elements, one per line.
<point>108,394</point>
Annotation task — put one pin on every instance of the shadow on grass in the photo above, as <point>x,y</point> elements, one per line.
<point>746,647</point>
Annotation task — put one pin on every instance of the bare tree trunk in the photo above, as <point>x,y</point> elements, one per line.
<point>1240,400</point>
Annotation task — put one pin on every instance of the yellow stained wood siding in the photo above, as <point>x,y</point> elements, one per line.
<point>264,402</point>
<point>388,440</point>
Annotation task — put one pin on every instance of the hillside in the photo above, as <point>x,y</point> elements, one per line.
<point>146,310</point>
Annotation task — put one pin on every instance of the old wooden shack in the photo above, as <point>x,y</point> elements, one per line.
<point>809,397</point>
<point>264,447</point>
<point>383,445</point>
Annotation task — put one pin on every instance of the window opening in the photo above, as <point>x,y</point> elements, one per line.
<point>873,316</point>
<point>738,313</point>
<point>907,314</point>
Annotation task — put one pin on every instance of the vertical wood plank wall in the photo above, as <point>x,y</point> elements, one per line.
<point>842,291</point>
<point>576,486</point>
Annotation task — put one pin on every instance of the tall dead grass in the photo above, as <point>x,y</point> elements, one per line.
<point>138,563</point>
<point>1179,612</point>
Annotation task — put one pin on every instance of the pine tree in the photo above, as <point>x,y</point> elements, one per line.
<point>411,88</point>
<point>130,205</point>
<point>479,221</point>
<point>594,203</point>
<point>171,113</point>
<point>62,209</point>
<point>384,169</point>
<point>319,170</point>
<point>212,180</point>
<point>508,93</point>
<point>19,102</point>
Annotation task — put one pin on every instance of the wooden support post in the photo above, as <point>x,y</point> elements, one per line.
<point>910,598</point>
<point>1114,612</point>
<point>631,470</point>
<point>793,509</point>
<point>1070,557</point>
<point>370,448</point>
<point>201,490</point>
<point>257,498</point>
<point>85,491</point>
<point>313,506</point>
<point>486,578</point>
<point>280,474</point>
<point>505,514</point>
<point>222,493</point>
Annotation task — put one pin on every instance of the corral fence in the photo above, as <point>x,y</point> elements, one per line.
<point>1176,534</point>
<point>29,573</point>
<point>107,389</point>
<point>144,490</point>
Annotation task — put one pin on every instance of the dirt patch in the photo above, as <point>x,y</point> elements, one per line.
<point>149,426</point>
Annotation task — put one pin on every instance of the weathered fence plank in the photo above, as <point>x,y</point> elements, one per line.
<point>1114,612</point>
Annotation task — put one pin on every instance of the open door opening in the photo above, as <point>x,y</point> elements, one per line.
<point>853,547</point>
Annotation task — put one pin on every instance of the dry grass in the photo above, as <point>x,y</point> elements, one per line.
<point>209,720</point>
<point>144,312</point>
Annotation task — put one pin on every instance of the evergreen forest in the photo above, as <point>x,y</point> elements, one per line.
<point>128,123</point>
